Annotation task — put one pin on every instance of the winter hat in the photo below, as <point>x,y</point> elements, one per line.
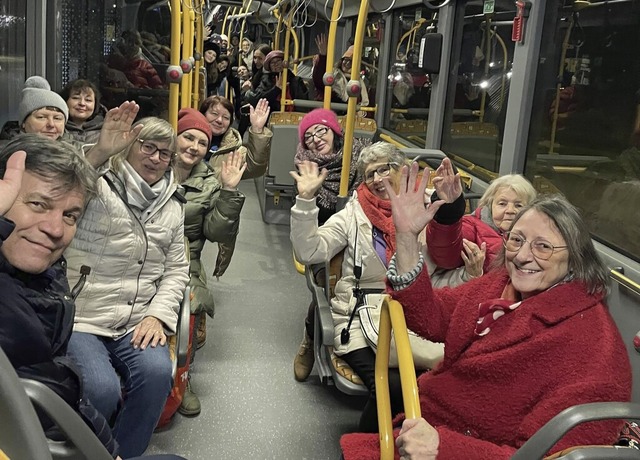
<point>192,119</point>
<point>322,117</point>
<point>224,37</point>
<point>36,95</point>
<point>211,46</point>
<point>272,55</point>
<point>348,53</point>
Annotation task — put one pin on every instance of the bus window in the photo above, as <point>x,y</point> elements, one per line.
<point>479,99</point>
<point>408,87</point>
<point>12,56</point>
<point>584,138</point>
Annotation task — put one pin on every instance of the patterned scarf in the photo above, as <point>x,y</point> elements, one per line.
<point>379,214</point>
<point>327,196</point>
<point>491,310</point>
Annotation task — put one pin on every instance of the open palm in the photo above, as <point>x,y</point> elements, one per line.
<point>12,180</point>
<point>308,179</point>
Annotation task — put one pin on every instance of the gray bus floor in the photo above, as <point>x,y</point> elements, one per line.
<point>252,408</point>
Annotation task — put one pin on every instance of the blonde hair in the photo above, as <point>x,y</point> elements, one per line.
<point>154,129</point>
<point>516,182</point>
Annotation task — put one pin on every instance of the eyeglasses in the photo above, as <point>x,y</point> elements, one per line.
<point>319,134</point>
<point>217,115</point>
<point>149,149</point>
<point>541,249</point>
<point>382,171</point>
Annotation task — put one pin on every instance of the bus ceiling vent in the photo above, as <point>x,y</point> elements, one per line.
<point>353,88</point>
<point>328,79</point>
<point>174,74</point>
<point>186,65</point>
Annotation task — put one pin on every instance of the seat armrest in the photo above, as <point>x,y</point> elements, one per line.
<point>69,422</point>
<point>183,328</point>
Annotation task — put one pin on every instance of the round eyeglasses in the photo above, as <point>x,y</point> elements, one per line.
<point>541,249</point>
<point>148,148</point>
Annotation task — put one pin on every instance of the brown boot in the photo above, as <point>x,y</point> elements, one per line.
<point>303,362</point>
<point>201,334</point>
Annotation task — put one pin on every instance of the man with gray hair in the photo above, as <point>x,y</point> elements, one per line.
<point>44,192</point>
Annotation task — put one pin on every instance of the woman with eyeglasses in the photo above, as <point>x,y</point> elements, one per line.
<point>521,343</point>
<point>219,113</point>
<point>128,260</point>
<point>453,235</point>
<point>321,141</point>
<point>364,230</point>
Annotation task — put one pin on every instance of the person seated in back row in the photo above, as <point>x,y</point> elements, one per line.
<point>364,230</point>
<point>515,338</point>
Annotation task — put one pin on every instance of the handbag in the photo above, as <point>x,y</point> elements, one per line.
<point>426,354</point>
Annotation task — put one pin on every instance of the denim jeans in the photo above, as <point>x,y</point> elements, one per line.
<point>113,371</point>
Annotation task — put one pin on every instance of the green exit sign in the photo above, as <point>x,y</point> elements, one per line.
<point>489,6</point>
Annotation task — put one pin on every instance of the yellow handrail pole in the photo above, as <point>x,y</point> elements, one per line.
<point>391,314</point>
<point>331,48</point>
<point>407,35</point>
<point>296,49</point>
<point>285,69</point>
<point>224,21</point>
<point>353,100</point>
<point>187,46</point>
<point>199,45</point>
<point>276,38</point>
<point>383,398</point>
<point>244,23</point>
<point>227,91</point>
<point>174,88</point>
<point>191,49</point>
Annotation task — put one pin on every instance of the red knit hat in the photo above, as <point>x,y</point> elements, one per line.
<point>321,117</point>
<point>192,119</point>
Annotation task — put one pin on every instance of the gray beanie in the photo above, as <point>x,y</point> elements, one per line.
<point>36,95</point>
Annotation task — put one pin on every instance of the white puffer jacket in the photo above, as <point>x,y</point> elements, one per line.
<point>314,245</point>
<point>138,266</point>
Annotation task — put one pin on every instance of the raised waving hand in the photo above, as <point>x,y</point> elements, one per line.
<point>12,180</point>
<point>308,179</point>
<point>116,133</point>
<point>259,115</point>
<point>232,169</point>
<point>447,183</point>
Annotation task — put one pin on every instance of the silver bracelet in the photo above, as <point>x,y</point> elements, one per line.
<point>399,282</point>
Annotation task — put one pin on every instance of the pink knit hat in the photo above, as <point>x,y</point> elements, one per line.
<point>321,117</point>
<point>269,57</point>
<point>192,119</point>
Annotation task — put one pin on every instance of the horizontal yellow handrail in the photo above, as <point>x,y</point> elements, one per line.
<point>625,281</point>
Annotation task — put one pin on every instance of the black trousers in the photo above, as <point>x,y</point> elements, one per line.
<point>363,362</point>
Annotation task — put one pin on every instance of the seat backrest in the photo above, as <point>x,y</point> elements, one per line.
<point>21,434</point>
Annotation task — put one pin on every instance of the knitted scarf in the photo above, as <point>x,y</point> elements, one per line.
<point>379,214</point>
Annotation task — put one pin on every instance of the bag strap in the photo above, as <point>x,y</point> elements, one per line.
<point>357,292</point>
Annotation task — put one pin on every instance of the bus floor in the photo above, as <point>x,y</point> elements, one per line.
<point>252,408</point>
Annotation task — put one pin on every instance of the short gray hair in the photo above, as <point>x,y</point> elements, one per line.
<point>55,161</point>
<point>516,182</point>
<point>378,152</point>
<point>154,129</point>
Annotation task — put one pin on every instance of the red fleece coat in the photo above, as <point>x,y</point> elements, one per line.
<point>444,242</point>
<point>492,393</point>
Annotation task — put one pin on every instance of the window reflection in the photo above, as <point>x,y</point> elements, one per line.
<point>586,141</point>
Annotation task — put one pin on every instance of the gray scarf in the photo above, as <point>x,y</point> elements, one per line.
<point>142,197</point>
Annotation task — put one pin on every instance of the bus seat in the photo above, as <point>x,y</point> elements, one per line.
<point>331,369</point>
<point>21,434</point>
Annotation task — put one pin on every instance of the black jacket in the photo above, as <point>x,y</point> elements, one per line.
<point>36,321</point>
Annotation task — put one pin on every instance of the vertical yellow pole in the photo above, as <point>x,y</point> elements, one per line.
<point>224,22</point>
<point>195,96</point>
<point>187,44</point>
<point>296,48</point>
<point>285,69</point>
<point>174,88</point>
<point>244,23</point>
<point>353,100</point>
<point>276,38</point>
<point>331,48</point>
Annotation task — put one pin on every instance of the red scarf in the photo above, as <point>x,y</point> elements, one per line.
<point>491,310</point>
<point>379,214</point>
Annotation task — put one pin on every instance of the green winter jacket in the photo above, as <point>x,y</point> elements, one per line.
<point>213,214</point>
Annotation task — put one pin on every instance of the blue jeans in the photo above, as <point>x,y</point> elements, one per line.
<point>113,371</point>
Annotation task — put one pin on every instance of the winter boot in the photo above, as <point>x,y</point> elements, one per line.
<point>190,405</point>
<point>303,362</point>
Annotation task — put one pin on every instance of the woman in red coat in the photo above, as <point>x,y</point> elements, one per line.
<point>447,232</point>
<point>522,343</point>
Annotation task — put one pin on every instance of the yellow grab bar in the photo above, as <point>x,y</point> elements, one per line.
<point>392,316</point>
